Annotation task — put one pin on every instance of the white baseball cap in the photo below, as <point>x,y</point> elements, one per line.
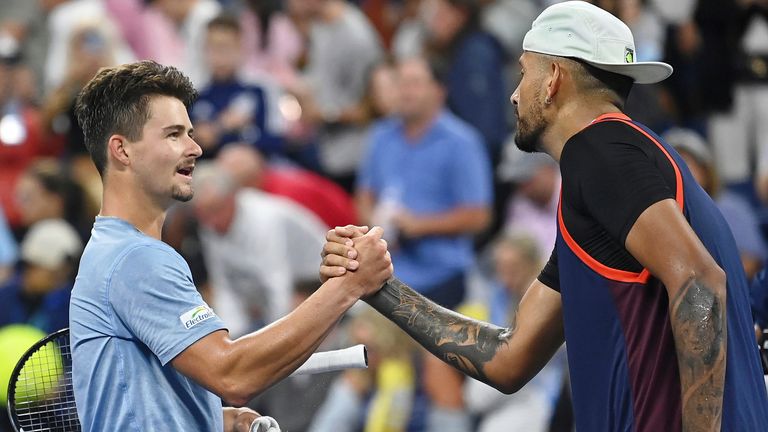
<point>50,243</point>
<point>582,30</point>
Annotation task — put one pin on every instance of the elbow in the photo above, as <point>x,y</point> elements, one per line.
<point>511,386</point>
<point>234,393</point>
<point>510,382</point>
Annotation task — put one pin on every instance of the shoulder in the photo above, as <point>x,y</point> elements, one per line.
<point>603,140</point>
<point>147,256</point>
<point>385,129</point>
<point>463,133</point>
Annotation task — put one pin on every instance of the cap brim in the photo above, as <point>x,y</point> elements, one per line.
<point>641,72</point>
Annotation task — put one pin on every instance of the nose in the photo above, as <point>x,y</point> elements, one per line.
<point>515,98</point>
<point>196,151</point>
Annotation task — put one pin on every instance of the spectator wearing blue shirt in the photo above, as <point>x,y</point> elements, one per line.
<point>426,179</point>
<point>38,294</point>
<point>231,109</point>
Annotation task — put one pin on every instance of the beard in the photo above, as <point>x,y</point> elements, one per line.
<point>529,131</point>
<point>181,194</point>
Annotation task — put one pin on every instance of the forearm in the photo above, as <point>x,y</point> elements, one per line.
<point>698,317</point>
<point>464,343</point>
<point>466,220</point>
<point>256,361</point>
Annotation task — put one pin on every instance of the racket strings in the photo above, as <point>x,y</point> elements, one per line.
<point>43,396</point>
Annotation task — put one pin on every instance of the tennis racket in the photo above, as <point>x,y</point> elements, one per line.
<point>40,396</point>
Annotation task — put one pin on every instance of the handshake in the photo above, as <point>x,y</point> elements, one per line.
<point>358,255</point>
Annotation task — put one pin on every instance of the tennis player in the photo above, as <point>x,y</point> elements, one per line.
<point>645,282</point>
<point>148,352</point>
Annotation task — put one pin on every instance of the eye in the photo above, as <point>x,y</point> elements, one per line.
<point>173,134</point>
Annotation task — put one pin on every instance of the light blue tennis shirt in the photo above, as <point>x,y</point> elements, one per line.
<point>134,308</point>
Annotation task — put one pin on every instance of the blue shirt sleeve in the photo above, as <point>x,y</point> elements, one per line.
<point>152,295</point>
<point>472,178</point>
<point>9,250</point>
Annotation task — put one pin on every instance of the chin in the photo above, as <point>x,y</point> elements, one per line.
<point>182,196</point>
<point>527,143</point>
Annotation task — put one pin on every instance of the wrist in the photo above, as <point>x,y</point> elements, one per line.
<point>345,291</point>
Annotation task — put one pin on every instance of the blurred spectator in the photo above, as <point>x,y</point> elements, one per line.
<point>256,246</point>
<point>63,21</point>
<point>377,399</point>
<point>517,262</point>
<point>271,42</point>
<point>26,22</point>
<point>231,109</point>
<point>533,206</point>
<point>45,191</point>
<point>20,138</point>
<point>171,32</point>
<point>427,180</point>
<point>325,199</point>
<point>737,211</point>
<point>8,249</point>
<point>508,21</point>
<point>382,90</point>
<point>39,293</point>
<point>473,62</point>
<point>739,131</point>
<point>90,48</point>
<point>343,48</point>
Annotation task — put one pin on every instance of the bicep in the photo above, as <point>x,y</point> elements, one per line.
<point>537,333</point>
<point>663,242</point>
<point>201,361</point>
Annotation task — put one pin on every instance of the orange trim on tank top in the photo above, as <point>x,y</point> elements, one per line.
<point>596,266</point>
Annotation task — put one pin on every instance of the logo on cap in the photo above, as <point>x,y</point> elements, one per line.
<point>629,55</point>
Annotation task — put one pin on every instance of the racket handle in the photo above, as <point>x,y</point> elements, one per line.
<point>355,357</point>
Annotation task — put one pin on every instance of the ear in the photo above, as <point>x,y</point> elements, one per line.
<point>555,79</point>
<point>118,151</point>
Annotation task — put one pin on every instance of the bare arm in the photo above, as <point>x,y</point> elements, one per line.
<point>461,220</point>
<point>663,241</point>
<point>505,358</point>
<point>240,369</point>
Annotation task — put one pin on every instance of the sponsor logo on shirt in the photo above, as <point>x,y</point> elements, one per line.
<point>195,316</point>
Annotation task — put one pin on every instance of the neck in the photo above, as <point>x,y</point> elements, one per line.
<point>417,126</point>
<point>123,200</point>
<point>569,120</point>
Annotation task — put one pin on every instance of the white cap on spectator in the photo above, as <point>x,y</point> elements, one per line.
<point>689,141</point>
<point>50,243</point>
<point>580,30</point>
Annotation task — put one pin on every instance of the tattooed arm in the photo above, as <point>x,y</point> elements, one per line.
<point>663,241</point>
<point>505,358</point>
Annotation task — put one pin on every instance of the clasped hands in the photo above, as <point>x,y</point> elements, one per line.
<point>358,254</point>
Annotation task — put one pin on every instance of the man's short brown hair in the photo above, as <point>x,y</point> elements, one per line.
<point>116,101</point>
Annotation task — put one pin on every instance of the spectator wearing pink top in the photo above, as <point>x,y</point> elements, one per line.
<point>272,42</point>
<point>171,32</point>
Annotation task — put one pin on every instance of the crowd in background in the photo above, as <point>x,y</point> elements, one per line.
<point>319,113</point>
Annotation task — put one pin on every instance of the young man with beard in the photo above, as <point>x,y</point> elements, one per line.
<point>644,282</point>
<point>147,351</point>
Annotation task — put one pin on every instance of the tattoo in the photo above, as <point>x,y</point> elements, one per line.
<point>462,342</point>
<point>700,330</point>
